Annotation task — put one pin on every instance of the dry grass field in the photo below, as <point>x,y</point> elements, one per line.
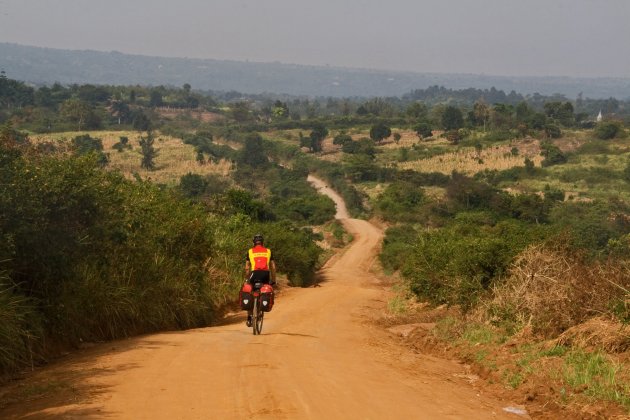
<point>469,161</point>
<point>174,158</point>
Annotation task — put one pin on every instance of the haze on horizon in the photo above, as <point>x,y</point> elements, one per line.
<point>579,38</point>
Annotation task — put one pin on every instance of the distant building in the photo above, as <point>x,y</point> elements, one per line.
<point>599,116</point>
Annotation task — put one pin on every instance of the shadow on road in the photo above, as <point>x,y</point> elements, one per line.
<point>54,392</point>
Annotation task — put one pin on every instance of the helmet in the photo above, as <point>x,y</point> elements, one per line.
<point>258,238</point>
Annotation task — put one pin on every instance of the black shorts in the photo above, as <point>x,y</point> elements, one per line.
<point>259,276</point>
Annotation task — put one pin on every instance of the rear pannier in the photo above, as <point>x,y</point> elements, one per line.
<point>245,297</point>
<point>267,297</point>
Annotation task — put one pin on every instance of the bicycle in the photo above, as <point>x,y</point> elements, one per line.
<point>258,314</point>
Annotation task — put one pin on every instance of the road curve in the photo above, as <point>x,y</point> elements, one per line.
<point>319,357</point>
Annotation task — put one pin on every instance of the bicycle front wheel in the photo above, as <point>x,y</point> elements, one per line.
<point>255,317</point>
<point>259,317</point>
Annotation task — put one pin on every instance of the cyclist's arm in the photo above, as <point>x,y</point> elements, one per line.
<point>248,271</point>
<point>272,270</point>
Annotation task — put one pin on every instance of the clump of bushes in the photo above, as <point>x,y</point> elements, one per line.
<point>608,130</point>
<point>553,288</point>
<point>87,255</point>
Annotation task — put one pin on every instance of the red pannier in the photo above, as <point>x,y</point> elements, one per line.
<point>245,297</point>
<point>266,297</point>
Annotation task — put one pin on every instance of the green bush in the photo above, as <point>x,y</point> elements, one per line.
<point>89,256</point>
<point>591,225</point>
<point>401,201</point>
<point>607,130</point>
<point>553,155</point>
<point>397,246</point>
<point>459,263</point>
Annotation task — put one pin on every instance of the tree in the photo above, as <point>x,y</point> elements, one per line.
<point>607,130</point>
<point>253,152</point>
<point>120,110</point>
<point>552,131</point>
<point>122,144</point>
<point>155,98</point>
<point>85,144</point>
<point>417,111</point>
<point>240,111</point>
<point>452,118</point>
<point>318,134</point>
<point>280,110</point>
<point>149,153</point>
<point>553,155</point>
<point>80,112</point>
<point>341,139</point>
<point>380,131</point>
<point>560,112</point>
<point>192,185</point>
<point>502,116</point>
<point>423,130</point>
<point>523,112</point>
<point>481,112</point>
<point>141,121</point>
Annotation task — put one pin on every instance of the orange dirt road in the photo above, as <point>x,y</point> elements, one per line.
<point>319,357</point>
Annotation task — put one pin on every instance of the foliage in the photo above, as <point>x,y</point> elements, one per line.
<point>552,131</point>
<point>452,118</point>
<point>341,139</point>
<point>85,144</point>
<point>87,256</point>
<point>460,262</point>
<point>149,152</point>
<point>253,153</point>
<point>122,144</point>
<point>380,131</point>
<point>400,202</point>
<point>423,130</point>
<point>318,134</point>
<point>607,130</point>
<point>552,153</point>
<point>364,146</point>
<point>591,225</point>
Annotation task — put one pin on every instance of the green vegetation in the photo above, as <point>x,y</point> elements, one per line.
<point>512,210</point>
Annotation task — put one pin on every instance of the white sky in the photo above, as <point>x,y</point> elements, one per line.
<point>501,37</point>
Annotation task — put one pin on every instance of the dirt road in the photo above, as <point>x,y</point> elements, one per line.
<point>319,357</point>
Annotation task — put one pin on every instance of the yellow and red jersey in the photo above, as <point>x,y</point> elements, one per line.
<point>259,258</point>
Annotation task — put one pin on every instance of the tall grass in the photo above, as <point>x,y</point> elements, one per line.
<point>20,329</point>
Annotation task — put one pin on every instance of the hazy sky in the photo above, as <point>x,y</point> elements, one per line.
<point>500,37</point>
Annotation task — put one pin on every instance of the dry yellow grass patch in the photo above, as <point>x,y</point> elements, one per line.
<point>468,161</point>
<point>174,158</point>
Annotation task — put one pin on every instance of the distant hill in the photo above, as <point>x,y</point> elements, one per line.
<point>45,66</point>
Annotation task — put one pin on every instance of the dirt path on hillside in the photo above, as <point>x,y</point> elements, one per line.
<point>319,357</point>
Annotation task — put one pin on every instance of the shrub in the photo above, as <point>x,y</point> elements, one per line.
<point>460,262</point>
<point>400,202</point>
<point>607,130</point>
<point>423,130</point>
<point>554,288</point>
<point>552,131</point>
<point>553,155</point>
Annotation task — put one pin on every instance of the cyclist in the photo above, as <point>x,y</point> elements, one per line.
<point>259,267</point>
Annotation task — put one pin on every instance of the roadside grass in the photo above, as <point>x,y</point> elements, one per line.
<point>599,375</point>
<point>578,372</point>
<point>514,359</point>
